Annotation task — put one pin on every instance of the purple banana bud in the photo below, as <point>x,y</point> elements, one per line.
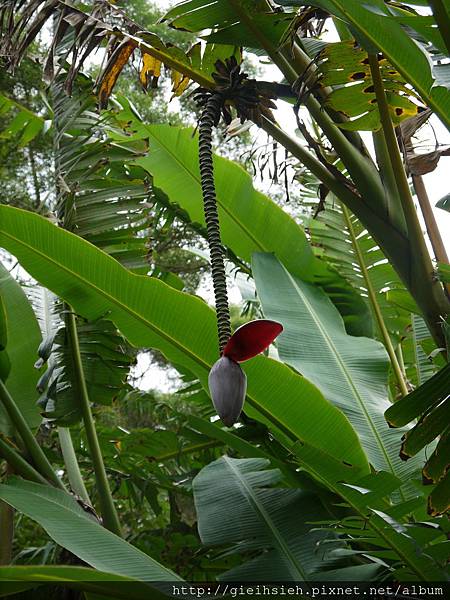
<point>227,384</point>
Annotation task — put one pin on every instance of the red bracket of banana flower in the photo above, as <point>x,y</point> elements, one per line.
<point>251,339</point>
<point>227,381</point>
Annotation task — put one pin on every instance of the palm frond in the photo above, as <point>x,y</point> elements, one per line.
<point>106,358</point>
<point>99,198</point>
<point>331,239</point>
<point>239,508</point>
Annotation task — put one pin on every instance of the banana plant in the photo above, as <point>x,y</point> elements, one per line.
<point>302,413</point>
<point>396,229</point>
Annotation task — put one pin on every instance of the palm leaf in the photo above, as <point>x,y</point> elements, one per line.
<point>72,528</point>
<point>150,314</point>
<point>238,506</point>
<point>351,372</point>
<point>98,198</point>
<point>106,359</point>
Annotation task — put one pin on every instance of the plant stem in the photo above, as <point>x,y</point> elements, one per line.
<point>108,510</point>
<point>401,362</point>
<point>359,165</point>
<point>375,306</point>
<point>6,527</point>
<point>430,220</point>
<point>71,463</point>
<point>393,201</point>
<point>40,460</point>
<point>19,464</point>
<point>420,279</point>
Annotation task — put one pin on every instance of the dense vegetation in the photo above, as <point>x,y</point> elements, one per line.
<point>337,467</point>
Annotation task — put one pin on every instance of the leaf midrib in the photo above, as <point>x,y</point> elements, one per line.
<point>111,299</point>
<point>328,341</point>
<point>75,513</point>
<point>256,504</point>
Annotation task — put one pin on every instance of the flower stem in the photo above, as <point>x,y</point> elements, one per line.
<point>207,120</point>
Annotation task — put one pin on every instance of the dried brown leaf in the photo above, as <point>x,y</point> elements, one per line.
<point>420,164</point>
<point>150,71</point>
<point>115,64</point>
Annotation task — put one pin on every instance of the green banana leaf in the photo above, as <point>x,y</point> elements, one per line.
<point>379,31</point>
<point>379,522</point>
<point>246,225</point>
<point>23,339</point>
<point>14,579</point>
<point>332,241</point>
<point>79,532</point>
<point>431,403</point>
<point>249,220</point>
<point>351,372</point>
<point>150,314</point>
<point>237,505</point>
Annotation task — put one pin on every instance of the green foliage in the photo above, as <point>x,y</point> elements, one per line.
<point>239,506</point>
<point>351,372</point>
<point>22,341</point>
<point>151,314</point>
<point>377,29</point>
<point>431,403</point>
<point>106,358</point>
<point>25,125</point>
<point>74,529</point>
<point>331,240</point>
<point>345,67</point>
<point>30,164</point>
<point>312,486</point>
<point>16,579</point>
<point>246,226</point>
